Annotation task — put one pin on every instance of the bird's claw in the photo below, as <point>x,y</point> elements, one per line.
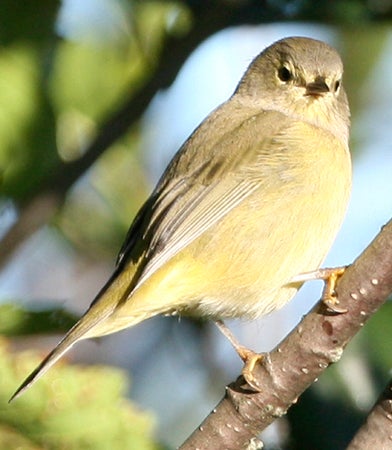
<point>250,359</point>
<point>329,297</point>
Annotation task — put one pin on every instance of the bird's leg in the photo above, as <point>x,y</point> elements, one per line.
<point>330,277</point>
<point>249,357</point>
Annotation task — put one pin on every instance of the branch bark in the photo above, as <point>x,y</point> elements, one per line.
<point>376,432</point>
<point>317,342</point>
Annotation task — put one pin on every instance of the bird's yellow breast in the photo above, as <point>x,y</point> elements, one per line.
<point>240,266</point>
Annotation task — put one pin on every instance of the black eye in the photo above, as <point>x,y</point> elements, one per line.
<point>284,74</point>
<point>337,85</point>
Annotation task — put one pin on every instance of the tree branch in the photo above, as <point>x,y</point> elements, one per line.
<point>302,356</point>
<point>376,432</point>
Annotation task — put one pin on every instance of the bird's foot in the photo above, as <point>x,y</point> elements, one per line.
<point>249,357</point>
<point>330,276</point>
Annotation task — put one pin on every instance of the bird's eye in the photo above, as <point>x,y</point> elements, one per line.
<point>337,85</point>
<point>284,74</point>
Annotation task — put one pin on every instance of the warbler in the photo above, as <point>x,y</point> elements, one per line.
<point>252,200</point>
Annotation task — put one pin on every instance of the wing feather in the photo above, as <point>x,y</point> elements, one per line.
<point>191,197</point>
<point>209,210</point>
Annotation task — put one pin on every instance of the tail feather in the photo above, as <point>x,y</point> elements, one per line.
<point>75,334</point>
<point>89,325</point>
<point>45,365</point>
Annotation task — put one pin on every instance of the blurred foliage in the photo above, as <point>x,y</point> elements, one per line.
<point>26,21</point>
<point>55,92</point>
<point>377,339</point>
<point>356,74</point>
<point>66,410</point>
<point>27,126</point>
<point>18,321</point>
<point>113,194</point>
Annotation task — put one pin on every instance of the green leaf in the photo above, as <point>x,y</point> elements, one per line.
<point>18,321</point>
<point>27,20</point>
<point>27,126</point>
<point>71,407</point>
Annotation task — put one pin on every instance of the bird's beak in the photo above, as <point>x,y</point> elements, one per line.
<point>317,87</point>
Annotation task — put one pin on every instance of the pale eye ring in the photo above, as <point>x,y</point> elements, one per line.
<point>337,85</point>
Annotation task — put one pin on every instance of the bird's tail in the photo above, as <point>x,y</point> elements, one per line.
<point>91,324</point>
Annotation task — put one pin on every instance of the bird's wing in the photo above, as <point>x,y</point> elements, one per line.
<point>184,207</point>
<point>208,207</point>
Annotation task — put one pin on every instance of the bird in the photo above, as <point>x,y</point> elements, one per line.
<point>252,200</point>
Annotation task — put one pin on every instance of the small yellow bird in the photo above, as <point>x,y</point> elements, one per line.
<point>252,199</point>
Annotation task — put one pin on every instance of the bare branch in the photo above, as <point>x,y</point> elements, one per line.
<point>301,357</point>
<point>376,432</point>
